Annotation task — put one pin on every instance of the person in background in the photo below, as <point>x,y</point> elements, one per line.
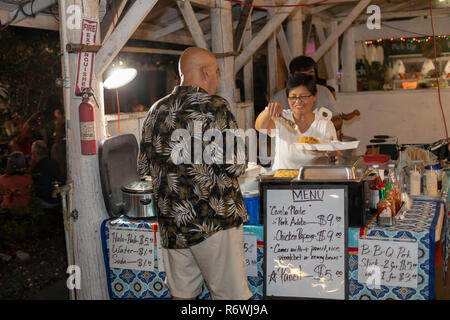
<point>307,65</point>
<point>301,94</point>
<point>58,149</point>
<point>45,172</point>
<point>200,207</point>
<point>15,184</point>
<point>332,90</point>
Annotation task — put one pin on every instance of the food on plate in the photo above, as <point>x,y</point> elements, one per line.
<point>308,139</point>
<point>286,174</point>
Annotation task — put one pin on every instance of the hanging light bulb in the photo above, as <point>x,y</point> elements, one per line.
<point>119,76</point>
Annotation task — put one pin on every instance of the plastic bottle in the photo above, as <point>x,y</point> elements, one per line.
<point>432,185</point>
<point>395,192</point>
<point>415,183</point>
<point>375,187</point>
<point>385,216</point>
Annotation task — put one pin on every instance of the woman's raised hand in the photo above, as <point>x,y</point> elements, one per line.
<point>275,109</point>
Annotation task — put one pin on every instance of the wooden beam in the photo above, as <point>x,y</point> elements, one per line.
<point>294,32</point>
<point>222,42</point>
<point>30,8</point>
<point>75,48</point>
<point>178,25</point>
<point>272,59</point>
<point>405,28</point>
<point>248,68</point>
<point>246,13</point>
<point>41,21</point>
<point>284,45</point>
<point>308,30</point>
<point>320,32</point>
<point>284,2</point>
<point>107,25</point>
<point>130,22</point>
<point>264,34</point>
<point>192,23</point>
<point>147,32</point>
<point>348,56</point>
<point>404,14</point>
<point>204,3</point>
<point>341,29</point>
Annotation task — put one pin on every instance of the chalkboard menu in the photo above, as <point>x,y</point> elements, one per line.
<point>306,241</point>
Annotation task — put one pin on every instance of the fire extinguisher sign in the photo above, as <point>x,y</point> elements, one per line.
<point>85,68</point>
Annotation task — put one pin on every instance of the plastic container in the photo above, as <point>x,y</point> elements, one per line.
<point>415,183</point>
<point>438,170</point>
<point>432,183</point>
<point>251,200</point>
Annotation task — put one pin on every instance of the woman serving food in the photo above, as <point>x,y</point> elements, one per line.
<point>301,91</point>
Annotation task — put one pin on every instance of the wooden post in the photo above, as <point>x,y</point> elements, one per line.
<point>348,55</point>
<point>294,32</point>
<point>84,170</point>
<point>333,57</point>
<point>272,61</point>
<point>248,80</point>
<point>222,42</point>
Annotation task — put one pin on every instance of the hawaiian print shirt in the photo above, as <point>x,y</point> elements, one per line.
<point>194,170</point>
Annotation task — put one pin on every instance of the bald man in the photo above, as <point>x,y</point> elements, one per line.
<point>199,205</point>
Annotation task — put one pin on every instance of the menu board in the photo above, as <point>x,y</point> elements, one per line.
<point>389,263</point>
<point>131,249</point>
<point>306,242</point>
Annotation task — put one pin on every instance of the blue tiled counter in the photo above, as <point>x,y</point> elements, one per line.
<point>130,284</point>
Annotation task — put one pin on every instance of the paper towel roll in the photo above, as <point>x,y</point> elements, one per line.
<point>324,113</point>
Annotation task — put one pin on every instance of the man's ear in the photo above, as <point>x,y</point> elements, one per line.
<point>204,73</point>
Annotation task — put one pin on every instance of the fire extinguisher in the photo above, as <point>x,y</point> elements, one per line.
<point>87,126</point>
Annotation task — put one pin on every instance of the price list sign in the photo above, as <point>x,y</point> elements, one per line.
<point>251,254</point>
<point>389,263</point>
<point>306,243</point>
<point>132,249</point>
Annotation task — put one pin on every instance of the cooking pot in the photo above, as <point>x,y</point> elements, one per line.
<point>138,199</point>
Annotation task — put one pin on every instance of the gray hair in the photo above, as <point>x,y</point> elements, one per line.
<point>40,147</point>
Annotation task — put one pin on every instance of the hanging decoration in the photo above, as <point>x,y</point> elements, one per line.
<point>410,40</point>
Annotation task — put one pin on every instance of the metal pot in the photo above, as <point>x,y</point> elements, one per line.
<point>138,199</point>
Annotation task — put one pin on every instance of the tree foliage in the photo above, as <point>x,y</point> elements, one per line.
<point>29,65</point>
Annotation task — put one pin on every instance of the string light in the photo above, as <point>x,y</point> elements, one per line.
<point>410,40</point>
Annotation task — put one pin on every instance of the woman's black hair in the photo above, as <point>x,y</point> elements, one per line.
<point>300,79</point>
<point>17,163</point>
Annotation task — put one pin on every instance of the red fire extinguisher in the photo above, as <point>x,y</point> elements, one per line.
<point>87,126</point>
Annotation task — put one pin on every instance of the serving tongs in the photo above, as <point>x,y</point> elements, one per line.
<point>291,125</point>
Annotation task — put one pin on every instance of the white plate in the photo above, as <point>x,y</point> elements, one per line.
<point>328,146</point>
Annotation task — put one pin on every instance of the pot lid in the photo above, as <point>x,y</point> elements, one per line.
<point>142,186</point>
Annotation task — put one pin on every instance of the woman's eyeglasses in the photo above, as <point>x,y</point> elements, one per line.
<point>301,98</point>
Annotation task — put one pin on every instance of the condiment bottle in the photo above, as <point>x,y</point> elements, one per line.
<point>385,216</point>
<point>396,189</point>
<point>415,183</point>
<point>432,186</point>
<point>375,187</point>
<point>391,197</point>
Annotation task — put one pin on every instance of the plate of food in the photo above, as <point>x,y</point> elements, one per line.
<point>317,144</point>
